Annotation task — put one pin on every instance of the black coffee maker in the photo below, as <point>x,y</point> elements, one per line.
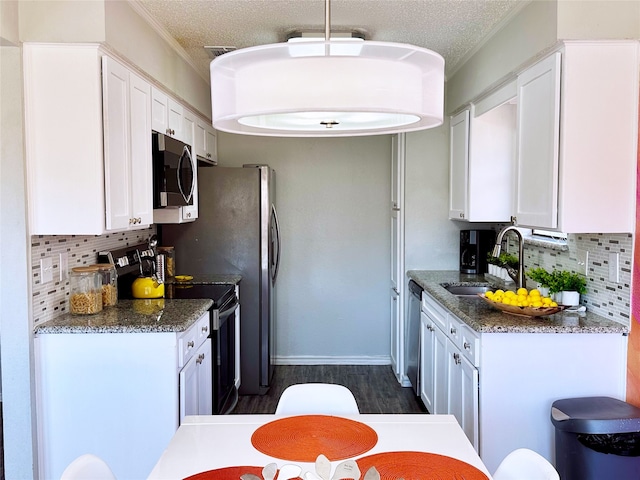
<point>474,247</point>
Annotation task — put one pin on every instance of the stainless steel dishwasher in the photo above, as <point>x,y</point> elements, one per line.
<point>412,337</point>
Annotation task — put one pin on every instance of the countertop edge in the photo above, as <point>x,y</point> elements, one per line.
<point>131,316</point>
<point>482,318</point>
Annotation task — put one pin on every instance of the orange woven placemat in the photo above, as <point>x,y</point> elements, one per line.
<point>302,438</point>
<point>227,473</point>
<point>418,466</point>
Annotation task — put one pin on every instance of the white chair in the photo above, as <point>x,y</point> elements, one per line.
<point>525,464</point>
<point>317,398</point>
<point>88,467</point>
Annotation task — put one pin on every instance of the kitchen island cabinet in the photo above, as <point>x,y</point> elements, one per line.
<point>523,365</point>
<point>118,383</point>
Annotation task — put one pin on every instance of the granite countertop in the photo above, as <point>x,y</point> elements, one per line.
<point>485,319</point>
<point>132,316</point>
<point>208,279</point>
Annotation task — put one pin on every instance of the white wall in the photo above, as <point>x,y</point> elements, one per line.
<point>598,19</point>
<point>431,240</point>
<point>532,30</point>
<point>18,406</point>
<point>333,286</point>
<point>123,30</point>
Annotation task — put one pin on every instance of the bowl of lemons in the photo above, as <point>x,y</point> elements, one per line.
<point>523,302</point>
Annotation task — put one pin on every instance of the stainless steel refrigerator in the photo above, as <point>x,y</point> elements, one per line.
<point>237,233</point>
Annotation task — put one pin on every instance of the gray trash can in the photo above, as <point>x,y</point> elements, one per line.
<point>596,438</point>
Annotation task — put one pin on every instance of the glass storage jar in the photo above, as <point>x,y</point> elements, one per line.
<point>86,290</point>
<point>109,279</point>
<point>169,254</point>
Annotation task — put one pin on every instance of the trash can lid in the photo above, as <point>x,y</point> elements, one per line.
<point>595,415</point>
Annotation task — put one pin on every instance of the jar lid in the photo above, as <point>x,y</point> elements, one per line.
<point>104,266</point>
<point>86,269</point>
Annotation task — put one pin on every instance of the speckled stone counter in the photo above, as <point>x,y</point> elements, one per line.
<point>209,279</point>
<point>485,319</point>
<point>132,316</point>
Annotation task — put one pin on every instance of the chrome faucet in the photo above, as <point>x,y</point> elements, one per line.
<point>517,276</point>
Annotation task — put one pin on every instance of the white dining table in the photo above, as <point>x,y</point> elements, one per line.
<point>207,442</point>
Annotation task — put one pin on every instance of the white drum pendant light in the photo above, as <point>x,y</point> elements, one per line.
<point>329,88</point>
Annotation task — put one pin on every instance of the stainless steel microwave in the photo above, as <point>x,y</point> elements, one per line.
<point>174,172</point>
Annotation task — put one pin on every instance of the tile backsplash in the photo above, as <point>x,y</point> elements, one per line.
<point>604,297</point>
<point>51,299</point>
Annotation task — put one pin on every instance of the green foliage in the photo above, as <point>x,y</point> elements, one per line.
<point>558,280</point>
<point>504,260</point>
<point>540,275</point>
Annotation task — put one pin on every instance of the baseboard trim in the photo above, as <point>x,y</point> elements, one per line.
<point>332,360</point>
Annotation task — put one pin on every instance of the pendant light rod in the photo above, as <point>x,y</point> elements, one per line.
<point>327,20</point>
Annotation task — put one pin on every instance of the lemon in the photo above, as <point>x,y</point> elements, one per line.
<point>522,291</point>
<point>553,304</point>
<point>499,292</point>
<point>534,293</point>
<point>509,293</point>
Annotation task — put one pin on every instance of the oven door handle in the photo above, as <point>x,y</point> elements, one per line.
<point>219,317</point>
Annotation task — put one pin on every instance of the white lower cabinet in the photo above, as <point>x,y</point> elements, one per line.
<point>448,374</point>
<point>500,386</point>
<point>120,396</point>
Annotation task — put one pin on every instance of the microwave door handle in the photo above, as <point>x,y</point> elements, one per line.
<point>185,156</point>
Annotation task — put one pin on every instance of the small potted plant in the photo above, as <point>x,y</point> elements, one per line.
<point>569,285</point>
<point>542,278</point>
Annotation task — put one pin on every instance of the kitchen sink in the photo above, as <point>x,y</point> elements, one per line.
<point>466,290</point>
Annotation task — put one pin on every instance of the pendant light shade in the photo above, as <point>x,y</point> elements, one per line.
<point>331,88</point>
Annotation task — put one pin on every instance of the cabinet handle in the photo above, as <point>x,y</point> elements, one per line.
<point>466,346</point>
<point>453,331</point>
<point>189,215</point>
<point>208,155</point>
<point>200,358</point>
<point>456,358</point>
<point>190,344</point>
<point>168,131</point>
<point>205,329</point>
<point>462,215</point>
<point>514,220</point>
<point>430,328</point>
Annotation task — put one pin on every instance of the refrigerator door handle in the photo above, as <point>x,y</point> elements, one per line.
<point>276,229</point>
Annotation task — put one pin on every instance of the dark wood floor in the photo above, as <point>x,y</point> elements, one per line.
<point>374,386</point>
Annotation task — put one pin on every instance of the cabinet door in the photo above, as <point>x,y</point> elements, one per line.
<point>189,128</point>
<point>115,87</point>
<point>141,156</point>
<point>427,362</point>
<point>159,111</point>
<point>458,165</point>
<point>175,120</point>
<point>538,144</point>
<point>204,361</point>
<point>397,255</point>
<point>188,384</point>
<point>441,375</point>
<point>211,143</point>
<point>463,392</point>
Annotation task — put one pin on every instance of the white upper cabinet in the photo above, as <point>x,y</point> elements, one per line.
<point>458,165</point>
<point>577,139</point>
<point>127,148</point>
<point>88,161</point>
<point>167,115</point>
<point>482,158</point>
<point>538,143</point>
<point>205,145</point>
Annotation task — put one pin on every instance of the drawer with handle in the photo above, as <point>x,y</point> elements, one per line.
<point>192,338</point>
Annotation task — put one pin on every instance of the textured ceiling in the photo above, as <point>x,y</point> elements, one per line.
<point>450,27</point>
